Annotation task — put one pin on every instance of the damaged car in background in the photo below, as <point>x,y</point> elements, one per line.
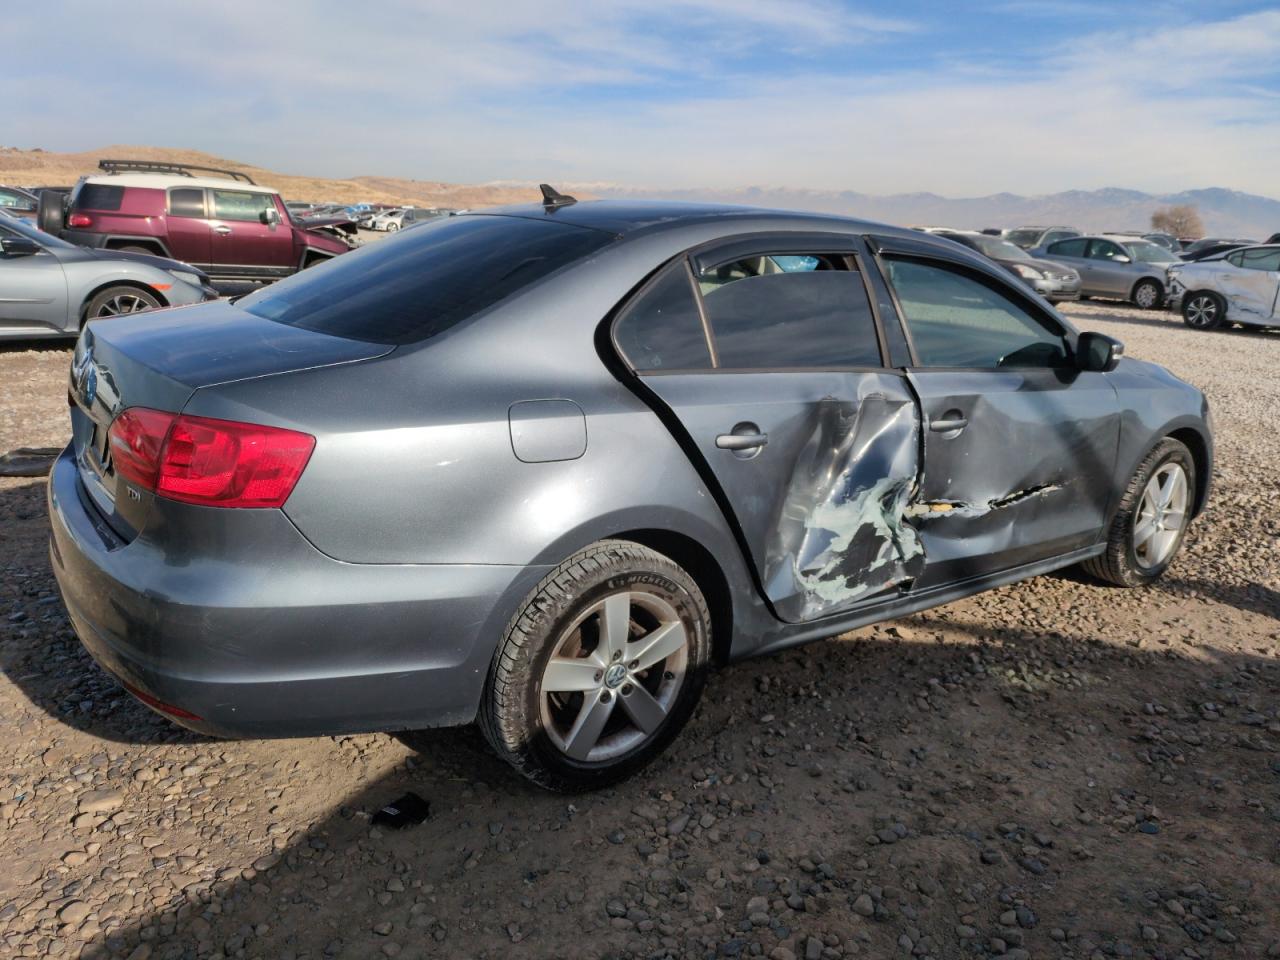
<point>581,453</point>
<point>1241,287</point>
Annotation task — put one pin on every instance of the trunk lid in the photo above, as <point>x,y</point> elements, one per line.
<point>159,360</point>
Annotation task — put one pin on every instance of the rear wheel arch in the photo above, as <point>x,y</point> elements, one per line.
<point>136,245</point>
<point>701,564</point>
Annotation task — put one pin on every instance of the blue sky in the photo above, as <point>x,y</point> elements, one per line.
<point>955,98</point>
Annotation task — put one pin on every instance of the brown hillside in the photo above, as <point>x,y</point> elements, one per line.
<point>45,168</point>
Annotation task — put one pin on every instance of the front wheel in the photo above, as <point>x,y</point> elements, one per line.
<point>115,301</point>
<point>392,227</point>
<point>1203,311</point>
<point>1152,518</point>
<point>1148,294</point>
<point>601,668</point>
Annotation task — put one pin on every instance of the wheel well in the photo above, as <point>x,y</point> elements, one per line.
<point>119,243</point>
<point>1194,442</point>
<point>1209,293</point>
<point>84,307</point>
<point>702,566</point>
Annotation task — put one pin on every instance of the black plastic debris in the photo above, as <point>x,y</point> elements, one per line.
<point>28,461</point>
<point>409,811</point>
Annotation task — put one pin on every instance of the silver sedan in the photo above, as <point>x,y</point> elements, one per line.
<point>1115,267</point>
<point>50,288</point>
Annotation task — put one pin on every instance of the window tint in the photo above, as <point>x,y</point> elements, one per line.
<point>1104,250</point>
<point>789,311</point>
<point>425,280</point>
<point>662,330</point>
<point>241,204</point>
<point>957,321</point>
<point>1059,235</point>
<point>1068,248</point>
<point>1266,258</point>
<point>99,196</point>
<point>186,203</point>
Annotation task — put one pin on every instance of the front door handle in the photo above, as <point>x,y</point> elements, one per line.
<point>741,441</point>
<point>222,230</point>
<point>950,422</point>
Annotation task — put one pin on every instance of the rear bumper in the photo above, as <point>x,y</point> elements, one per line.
<point>253,632</point>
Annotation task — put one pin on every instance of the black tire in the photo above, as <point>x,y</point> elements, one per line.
<point>113,301</point>
<point>514,706</point>
<point>1203,310</point>
<point>51,212</point>
<point>1148,294</point>
<point>1119,563</point>
<point>392,227</point>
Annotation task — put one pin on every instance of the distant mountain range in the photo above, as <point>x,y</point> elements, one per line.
<point>1227,213</point>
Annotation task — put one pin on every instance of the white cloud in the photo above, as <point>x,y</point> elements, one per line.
<point>667,92</point>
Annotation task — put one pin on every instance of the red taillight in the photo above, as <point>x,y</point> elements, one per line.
<point>160,705</point>
<point>79,220</point>
<point>214,463</point>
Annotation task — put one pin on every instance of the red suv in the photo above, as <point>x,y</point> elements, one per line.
<point>222,223</point>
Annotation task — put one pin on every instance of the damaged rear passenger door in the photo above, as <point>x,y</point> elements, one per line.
<point>765,357</point>
<point>1019,443</point>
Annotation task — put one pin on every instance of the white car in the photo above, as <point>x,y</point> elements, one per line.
<point>391,220</point>
<point>1242,287</point>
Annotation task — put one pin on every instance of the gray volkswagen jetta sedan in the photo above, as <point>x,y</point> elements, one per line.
<point>541,467</point>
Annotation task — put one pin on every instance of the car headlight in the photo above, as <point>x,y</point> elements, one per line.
<point>186,276</point>
<point>1027,273</point>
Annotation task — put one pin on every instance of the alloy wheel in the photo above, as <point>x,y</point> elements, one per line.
<point>614,676</point>
<point>1146,295</point>
<point>1202,311</point>
<point>1161,516</point>
<point>123,303</point>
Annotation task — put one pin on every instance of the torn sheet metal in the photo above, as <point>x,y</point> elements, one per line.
<point>842,534</point>
<point>937,509</point>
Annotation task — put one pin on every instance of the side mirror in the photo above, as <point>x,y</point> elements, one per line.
<point>270,216</point>
<point>1121,258</point>
<point>19,247</point>
<point>1098,353</point>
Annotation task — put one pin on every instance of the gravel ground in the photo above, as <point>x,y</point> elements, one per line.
<point>1053,769</point>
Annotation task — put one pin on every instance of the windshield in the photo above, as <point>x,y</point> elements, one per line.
<point>425,280</point>
<point>998,249</point>
<point>1025,237</point>
<point>1144,251</point>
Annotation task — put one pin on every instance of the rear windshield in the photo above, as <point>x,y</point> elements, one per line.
<point>425,280</point>
<point>1024,238</point>
<point>99,196</point>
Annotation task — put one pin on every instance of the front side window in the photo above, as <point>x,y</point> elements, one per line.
<point>789,310</point>
<point>1068,248</point>
<point>956,320</point>
<point>1259,259</point>
<point>241,205</point>
<point>186,203</point>
<point>1103,250</point>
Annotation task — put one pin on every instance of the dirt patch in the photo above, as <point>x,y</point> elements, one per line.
<point>1052,769</point>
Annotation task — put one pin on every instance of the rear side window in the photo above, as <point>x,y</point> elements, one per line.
<point>425,280</point>
<point>662,329</point>
<point>1068,248</point>
<point>186,203</point>
<point>99,196</point>
<point>789,310</point>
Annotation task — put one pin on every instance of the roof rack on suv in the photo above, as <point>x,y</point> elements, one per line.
<point>181,169</point>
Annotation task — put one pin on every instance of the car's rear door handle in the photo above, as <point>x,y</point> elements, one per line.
<point>947,425</point>
<point>222,230</point>
<point>741,441</point>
